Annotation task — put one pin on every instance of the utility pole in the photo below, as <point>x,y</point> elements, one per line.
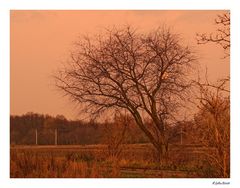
<point>56,137</point>
<point>36,137</point>
<point>181,135</point>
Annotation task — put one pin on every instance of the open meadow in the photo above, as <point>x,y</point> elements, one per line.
<point>90,161</point>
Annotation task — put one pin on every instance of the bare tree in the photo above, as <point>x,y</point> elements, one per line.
<point>213,125</point>
<point>221,36</point>
<point>146,74</point>
<point>213,120</point>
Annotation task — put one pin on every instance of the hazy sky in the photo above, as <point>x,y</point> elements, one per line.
<point>41,42</point>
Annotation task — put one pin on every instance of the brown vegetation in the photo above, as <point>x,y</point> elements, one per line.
<point>135,161</point>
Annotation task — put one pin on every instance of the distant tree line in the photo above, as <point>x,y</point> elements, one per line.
<point>23,129</point>
<point>69,132</point>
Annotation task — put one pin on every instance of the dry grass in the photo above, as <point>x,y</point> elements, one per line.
<point>136,161</point>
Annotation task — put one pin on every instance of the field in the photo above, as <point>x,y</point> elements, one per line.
<point>90,161</point>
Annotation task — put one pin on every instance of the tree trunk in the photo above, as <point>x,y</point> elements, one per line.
<point>161,146</point>
<point>162,154</point>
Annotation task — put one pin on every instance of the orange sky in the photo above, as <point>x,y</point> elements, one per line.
<point>41,41</point>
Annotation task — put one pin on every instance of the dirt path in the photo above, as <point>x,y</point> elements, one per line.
<point>155,173</point>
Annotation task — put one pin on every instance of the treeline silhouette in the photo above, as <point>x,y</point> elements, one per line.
<point>23,130</point>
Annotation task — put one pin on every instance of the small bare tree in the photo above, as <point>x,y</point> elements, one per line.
<point>142,73</point>
<point>221,36</point>
<point>213,125</point>
<point>115,134</point>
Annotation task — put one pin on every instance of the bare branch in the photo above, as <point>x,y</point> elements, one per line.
<point>221,36</point>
